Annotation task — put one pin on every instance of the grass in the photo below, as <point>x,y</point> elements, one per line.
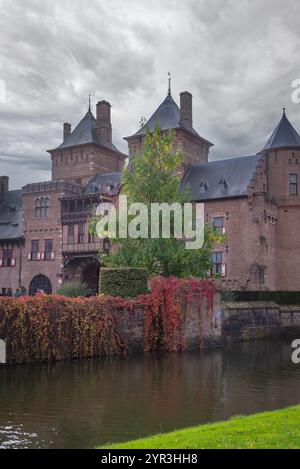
<point>279,429</point>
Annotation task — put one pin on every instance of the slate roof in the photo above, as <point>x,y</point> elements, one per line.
<point>11,215</point>
<point>106,184</point>
<point>284,135</point>
<point>167,115</point>
<point>220,179</point>
<point>85,132</point>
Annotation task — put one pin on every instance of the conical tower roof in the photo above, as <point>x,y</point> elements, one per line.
<point>284,135</point>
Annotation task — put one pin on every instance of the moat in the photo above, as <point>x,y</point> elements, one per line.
<point>85,403</point>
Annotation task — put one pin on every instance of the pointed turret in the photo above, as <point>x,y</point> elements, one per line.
<point>169,116</point>
<point>284,135</point>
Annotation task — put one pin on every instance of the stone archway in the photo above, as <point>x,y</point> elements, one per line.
<point>42,283</point>
<point>84,269</point>
<point>90,276</point>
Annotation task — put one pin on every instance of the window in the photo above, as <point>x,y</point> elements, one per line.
<point>218,224</point>
<point>91,238</point>
<point>49,254</point>
<point>7,258</point>
<point>70,234</point>
<point>293,179</point>
<point>261,274</point>
<point>42,207</point>
<point>203,187</point>
<point>217,262</point>
<point>35,246</point>
<point>80,233</point>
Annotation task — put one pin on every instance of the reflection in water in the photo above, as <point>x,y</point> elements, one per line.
<point>84,403</point>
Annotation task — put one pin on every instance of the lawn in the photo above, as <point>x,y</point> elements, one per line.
<point>277,429</point>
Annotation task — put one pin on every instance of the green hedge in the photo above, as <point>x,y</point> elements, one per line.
<point>74,289</point>
<point>123,281</point>
<point>280,297</point>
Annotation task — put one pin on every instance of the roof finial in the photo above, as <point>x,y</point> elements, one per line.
<point>89,102</point>
<point>283,109</point>
<point>169,87</point>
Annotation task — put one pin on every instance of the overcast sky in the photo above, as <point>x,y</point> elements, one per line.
<point>237,58</point>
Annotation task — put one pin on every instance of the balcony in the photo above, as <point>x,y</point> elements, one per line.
<point>67,217</point>
<point>94,246</point>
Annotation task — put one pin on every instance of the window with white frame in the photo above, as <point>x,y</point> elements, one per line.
<point>7,259</point>
<point>218,224</point>
<point>218,266</point>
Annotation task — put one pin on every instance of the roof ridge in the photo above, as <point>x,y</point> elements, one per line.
<point>225,159</point>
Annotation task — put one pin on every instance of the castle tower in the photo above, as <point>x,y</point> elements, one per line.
<point>169,116</point>
<point>282,159</point>
<point>88,149</point>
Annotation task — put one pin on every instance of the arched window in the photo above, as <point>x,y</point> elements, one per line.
<point>203,187</point>
<point>40,283</point>
<point>42,207</point>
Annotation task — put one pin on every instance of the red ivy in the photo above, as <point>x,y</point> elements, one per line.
<point>44,328</point>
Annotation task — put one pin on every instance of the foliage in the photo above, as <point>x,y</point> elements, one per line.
<point>125,282</point>
<point>73,289</point>
<point>53,327</point>
<point>228,295</point>
<point>279,297</point>
<point>155,177</point>
<point>267,430</point>
<point>165,310</point>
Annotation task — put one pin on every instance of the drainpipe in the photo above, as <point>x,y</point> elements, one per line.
<point>20,263</point>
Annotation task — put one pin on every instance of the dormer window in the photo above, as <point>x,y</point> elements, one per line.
<point>203,187</point>
<point>224,182</point>
<point>110,186</point>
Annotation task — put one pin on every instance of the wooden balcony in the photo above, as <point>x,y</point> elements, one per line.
<point>73,248</point>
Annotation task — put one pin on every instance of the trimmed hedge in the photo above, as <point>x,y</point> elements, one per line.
<point>126,282</point>
<point>279,297</point>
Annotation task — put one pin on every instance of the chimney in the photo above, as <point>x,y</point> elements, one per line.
<point>186,109</point>
<point>67,130</point>
<point>104,122</point>
<point>4,184</point>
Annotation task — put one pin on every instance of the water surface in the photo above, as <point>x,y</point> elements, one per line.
<point>80,404</point>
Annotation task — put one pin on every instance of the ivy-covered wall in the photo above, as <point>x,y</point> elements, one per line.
<point>177,314</point>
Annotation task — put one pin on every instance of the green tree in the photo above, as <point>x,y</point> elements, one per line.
<point>154,176</point>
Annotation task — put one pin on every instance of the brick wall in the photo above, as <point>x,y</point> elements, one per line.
<point>282,163</point>
<point>80,163</point>
<point>42,229</point>
<point>254,320</point>
<point>10,276</point>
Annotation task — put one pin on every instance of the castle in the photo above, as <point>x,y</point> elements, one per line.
<point>254,200</point>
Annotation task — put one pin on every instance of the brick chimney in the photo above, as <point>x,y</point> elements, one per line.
<point>4,184</point>
<point>186,109</point>
<point>104,122</point>
<point>67,130</point>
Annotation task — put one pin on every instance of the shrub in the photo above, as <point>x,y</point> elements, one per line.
<point>74,290</point>
<point>126,282</point>
<point>53,327</point>
<point>228,295</point>
<point>279,297</point>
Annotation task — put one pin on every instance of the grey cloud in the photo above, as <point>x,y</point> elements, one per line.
<point>237,58</point>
